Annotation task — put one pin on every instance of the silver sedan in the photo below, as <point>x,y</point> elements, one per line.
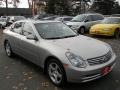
<point>64,55</point>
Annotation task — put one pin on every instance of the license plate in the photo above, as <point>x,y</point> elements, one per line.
<point>106,70</point>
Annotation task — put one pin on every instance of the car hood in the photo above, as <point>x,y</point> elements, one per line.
<point>74,23</point>
<point>103,26</point>
<point>83,46</point>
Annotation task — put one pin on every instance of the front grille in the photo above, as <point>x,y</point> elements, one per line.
<point>100,60</point>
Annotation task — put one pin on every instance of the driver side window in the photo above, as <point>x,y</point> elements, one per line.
<point>27,29</point>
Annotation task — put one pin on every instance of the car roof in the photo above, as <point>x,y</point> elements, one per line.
<point>38,21</point>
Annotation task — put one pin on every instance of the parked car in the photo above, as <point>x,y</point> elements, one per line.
<point>63,54</point>
<point>13,19</point>
<point>115,15</point>
<point>3,22</point>
<point>64,18</point>
<point>109,27</point>
<point>107,15</point>
<point>83,22</point>
<point>4,17</point>
<point>50,18</point>
<point>40,16</point>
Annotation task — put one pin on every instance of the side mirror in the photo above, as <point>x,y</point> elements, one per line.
<point>13,20</point>
<point>32,37</point>
<point>86,20</point>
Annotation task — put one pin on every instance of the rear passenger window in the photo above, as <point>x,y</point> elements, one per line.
<point>97,17</point>
<point>17,27</point>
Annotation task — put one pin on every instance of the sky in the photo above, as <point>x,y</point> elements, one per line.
<point>23,4</point>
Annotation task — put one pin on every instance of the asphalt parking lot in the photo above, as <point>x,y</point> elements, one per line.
<point>19,74</point>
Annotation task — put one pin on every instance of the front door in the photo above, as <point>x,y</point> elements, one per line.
<point>29,47</point>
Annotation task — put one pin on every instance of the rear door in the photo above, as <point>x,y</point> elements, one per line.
<point>16,30</point>
<point>88,22</point>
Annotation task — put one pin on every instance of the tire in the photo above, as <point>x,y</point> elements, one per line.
<point>81,30</point>
<point>8,49</point>
<point>117,33</point>
<point>0,26</point>
<point>56,73</point>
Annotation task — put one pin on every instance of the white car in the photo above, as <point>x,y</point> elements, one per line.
<point>83,22</point>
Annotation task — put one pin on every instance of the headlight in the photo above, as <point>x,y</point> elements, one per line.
<point>75,26</point>
<point>110,49</point>
<point>75,60</point>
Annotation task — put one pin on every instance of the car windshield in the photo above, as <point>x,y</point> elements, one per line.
<point>111,21</point>
<point>54,30</point>
<point>79,18</point>
<point>19,18</point>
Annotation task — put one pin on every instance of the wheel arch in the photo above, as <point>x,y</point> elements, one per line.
<point>116,29</point>
<point>47,60</point>
<point>82,27</point>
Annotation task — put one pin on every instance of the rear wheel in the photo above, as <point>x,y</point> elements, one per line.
<point>117,33</point>
<point>8,49</point>
<point>56,72</point>
<point>81,30</point>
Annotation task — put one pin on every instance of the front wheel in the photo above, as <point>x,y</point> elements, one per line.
<point>56,73</point>
<point>81,30</point>
<point>8,49</point>
<point>117,33</point>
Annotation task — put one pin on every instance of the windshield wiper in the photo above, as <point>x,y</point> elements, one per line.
<point>70,36</point>
<point>62,37</point>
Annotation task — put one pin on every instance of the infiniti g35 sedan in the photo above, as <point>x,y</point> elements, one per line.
<point>64,55</point>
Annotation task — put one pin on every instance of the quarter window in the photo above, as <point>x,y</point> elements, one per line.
<point>17,27</point>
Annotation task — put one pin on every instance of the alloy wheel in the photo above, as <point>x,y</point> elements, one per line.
<point>55,73</point>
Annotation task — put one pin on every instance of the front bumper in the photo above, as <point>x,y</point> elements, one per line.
<point>88,74</point>
<point>104,33</point>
